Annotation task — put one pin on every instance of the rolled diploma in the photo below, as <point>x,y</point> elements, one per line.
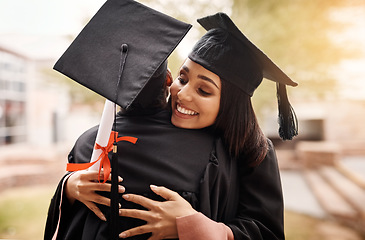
<point>103,135</point>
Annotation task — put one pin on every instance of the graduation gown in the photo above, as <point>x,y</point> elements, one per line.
<point>192,162</point>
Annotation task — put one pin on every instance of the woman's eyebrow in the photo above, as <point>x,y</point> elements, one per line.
<point>185,68</point>
<point>205,78</point>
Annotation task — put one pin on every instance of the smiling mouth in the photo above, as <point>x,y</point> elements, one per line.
<point>185,111</point>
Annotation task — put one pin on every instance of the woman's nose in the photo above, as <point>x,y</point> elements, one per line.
<point>184,94</point>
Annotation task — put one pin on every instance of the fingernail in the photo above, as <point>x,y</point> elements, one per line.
<point>102,217</point>
<point>120,179</point>
<point>125,196</point>
<point>122,235</point>
<point>153,186</point>
<point>121,189</point>
<point>120,206</point>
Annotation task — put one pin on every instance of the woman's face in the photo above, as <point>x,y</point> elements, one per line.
<point>195,97</point>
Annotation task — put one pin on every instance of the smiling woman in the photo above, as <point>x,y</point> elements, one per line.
<point>195,97</point>
<point>214,88</point>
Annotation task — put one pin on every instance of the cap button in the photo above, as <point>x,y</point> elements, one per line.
<point>124,47</point>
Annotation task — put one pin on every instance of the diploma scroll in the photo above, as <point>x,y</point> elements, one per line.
<point>103,135</point>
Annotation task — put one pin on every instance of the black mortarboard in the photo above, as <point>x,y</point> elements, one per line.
<point>227,52</point>
<point>118,54</point>
<point>120,49</point>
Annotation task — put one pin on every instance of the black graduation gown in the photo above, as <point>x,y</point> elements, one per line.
<point>192,162</point>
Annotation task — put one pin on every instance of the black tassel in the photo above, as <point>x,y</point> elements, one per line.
<point>114,197</point>
<point>288,122</point>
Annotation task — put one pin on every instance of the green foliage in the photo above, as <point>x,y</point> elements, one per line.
<point>23,212</point>
<point>297,35</point>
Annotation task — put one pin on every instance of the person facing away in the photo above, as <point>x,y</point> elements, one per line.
<point>163,155</point>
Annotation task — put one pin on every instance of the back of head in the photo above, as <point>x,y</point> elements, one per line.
<point>152,97</point>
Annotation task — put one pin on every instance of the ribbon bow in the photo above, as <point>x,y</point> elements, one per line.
<point>104,159</point>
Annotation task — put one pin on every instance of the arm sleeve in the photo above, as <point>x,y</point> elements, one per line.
<point>80,153</point>
<point>259,214</point>
<point>260,211</point>
<point>58,204</point>
<point>199,227</point>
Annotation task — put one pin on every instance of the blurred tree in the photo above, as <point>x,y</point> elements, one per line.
<point>188,11</point>
<point>297,36</point>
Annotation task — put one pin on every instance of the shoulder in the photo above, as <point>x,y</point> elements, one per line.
<point>270,162</point>
<point>271,153</point>
<point>88,135</point>
<point>82,150</point>
<point>161,117</point>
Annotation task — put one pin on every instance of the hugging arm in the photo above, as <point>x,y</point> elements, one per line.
<point>78,186</point>
<point>173,218</point>
<point>83,186</point>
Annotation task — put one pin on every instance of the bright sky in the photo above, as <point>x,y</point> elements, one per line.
<point>22,22</point>
<point>352,72</point>
<point>45,16</point>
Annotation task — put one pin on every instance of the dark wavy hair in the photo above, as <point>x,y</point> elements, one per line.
<point>238,126</point>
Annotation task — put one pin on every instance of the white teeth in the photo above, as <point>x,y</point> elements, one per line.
<point>185,111</point>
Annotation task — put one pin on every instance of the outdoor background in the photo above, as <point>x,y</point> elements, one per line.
<point>319,43</point>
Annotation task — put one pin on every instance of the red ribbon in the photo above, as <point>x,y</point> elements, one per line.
<point>104,159</point>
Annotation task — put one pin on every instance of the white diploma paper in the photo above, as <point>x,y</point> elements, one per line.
<point>105,128</point>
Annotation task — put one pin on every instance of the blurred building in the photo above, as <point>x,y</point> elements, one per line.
<point>338,121</point>
<point>12,97</point>
<point>33,106</point>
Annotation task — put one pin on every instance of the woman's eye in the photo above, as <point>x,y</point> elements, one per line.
<point>204,93</point>
<point>182,80</point>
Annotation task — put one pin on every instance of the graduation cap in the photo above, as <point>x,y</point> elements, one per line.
<point>120,49</point>
<point>121,54</point>
<point>227,52</point>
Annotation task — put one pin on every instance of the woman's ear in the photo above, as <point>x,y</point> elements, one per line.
<point>169,78</point>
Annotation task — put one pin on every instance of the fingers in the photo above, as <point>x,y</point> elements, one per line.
<point>89,192</point>
<point>89,181</point>
<point>83,186</point>
<point>101,187</point>
<point>99,199</point>
<point>164,192</point>
<point>143,201</point>
<point>96,210</point>
<point>135,231</point>
<point>94,176</point>
<point>135,213</point>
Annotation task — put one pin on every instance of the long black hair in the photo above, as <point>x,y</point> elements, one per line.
<point>238,126</point>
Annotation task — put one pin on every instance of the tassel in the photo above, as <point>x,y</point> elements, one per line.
<point>114,197</point>
<point>288,122</point>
